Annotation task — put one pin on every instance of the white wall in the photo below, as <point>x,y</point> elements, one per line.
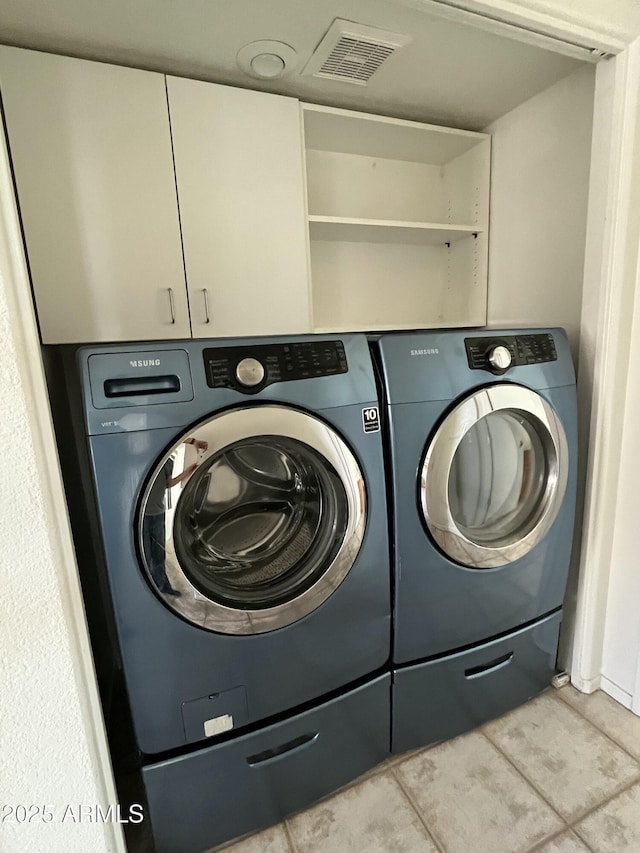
<point>539,192</point>
<point>539,200</point>
<point>52,749</point>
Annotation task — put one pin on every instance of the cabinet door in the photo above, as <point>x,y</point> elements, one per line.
<point>91,151</point>
<point>239,171</point>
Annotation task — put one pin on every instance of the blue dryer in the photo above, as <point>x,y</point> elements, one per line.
<point>240,502</point>
<point>482,435</point>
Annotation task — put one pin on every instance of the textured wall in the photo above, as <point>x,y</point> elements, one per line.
<point>539,192</point>
<point>539,199</point>
<point>50,754</point>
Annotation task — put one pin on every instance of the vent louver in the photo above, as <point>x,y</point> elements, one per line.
<point>352,52</point>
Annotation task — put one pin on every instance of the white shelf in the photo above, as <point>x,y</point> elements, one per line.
<point>331,129</point>
<point>350,230</point>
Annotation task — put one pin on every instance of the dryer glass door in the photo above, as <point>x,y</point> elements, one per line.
<point>494,476</point>
<point>267,521</point>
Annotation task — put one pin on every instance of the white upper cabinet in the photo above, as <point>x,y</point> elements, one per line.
<point>284,218</point>
<point>240,178</point>
<point>91,151</point>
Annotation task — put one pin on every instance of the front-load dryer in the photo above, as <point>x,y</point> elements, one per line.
<point>241,529</point>
<point>482,437</point>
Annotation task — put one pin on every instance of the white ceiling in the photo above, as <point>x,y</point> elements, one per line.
<point>450,73</point>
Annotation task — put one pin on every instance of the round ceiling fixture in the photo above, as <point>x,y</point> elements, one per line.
<point>266,59</point>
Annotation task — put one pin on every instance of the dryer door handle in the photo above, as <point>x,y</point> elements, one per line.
<point>491,666</point>
<point>290,746</point>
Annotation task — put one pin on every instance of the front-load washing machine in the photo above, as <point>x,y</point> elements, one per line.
<point>240,521</point>
<point>482,436</point>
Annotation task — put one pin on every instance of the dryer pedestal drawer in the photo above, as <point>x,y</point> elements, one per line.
<point>214,794</point>
<point>443,698</point>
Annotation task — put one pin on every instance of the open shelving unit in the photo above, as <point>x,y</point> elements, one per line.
<point>398,222</point>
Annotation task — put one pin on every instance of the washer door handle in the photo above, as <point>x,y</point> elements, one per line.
<point>290,746</point>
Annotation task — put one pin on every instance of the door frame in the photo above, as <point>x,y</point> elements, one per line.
<point>609,291</point>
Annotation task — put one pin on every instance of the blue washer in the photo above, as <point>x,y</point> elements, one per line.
<point>236,549</point>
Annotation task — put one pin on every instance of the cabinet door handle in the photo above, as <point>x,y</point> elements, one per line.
<point>205,296</point>
<point>172,305</point>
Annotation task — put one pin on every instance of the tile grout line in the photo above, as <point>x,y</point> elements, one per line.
<point>596,726</point>
<point>378,770</point>
<point>582,841</point>
<point>606,802</point>
<point>438,844</point>
<point>540,844</point>
<point>604,734</point>
<point>394,760</point>
<point>625,787</point>
<point>289,834</point>
<point>579,816</point>
<point>527,780</point>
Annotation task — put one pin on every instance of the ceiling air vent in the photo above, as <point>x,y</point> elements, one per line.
<point>352,52</point>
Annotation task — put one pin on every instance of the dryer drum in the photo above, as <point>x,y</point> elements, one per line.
<point>497,478</point>
<point>494,476</point>
<point>261,528</point>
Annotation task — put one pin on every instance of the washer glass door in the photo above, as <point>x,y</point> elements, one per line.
<point>494,476</point>
<point>268,517</point>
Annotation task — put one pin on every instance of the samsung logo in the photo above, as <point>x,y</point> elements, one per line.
<point>430,351</point>
<point>145,362</point>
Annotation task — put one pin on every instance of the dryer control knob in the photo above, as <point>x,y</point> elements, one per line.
<point>500,358</point>
<point>249,372</point>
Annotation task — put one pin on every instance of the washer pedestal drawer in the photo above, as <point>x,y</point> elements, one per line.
<point>445,697</point>
<point>211,795</point>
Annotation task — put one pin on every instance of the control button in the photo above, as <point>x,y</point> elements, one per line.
<point>500,358</point>
<point>249,372</point>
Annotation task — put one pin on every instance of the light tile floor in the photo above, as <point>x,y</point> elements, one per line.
<point>561,774</point>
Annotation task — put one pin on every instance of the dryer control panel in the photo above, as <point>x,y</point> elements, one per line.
<point>500,352</point>
<point>251,368</point>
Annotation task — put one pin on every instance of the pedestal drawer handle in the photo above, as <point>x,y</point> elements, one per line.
<point>491,666</point>
<point>277,751</point>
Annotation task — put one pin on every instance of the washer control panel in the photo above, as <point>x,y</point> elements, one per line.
<point>251,368</point>
<point>498,353</point>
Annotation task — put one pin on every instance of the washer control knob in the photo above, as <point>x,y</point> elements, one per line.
<point>249,372</point>
<point>500,358</point>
